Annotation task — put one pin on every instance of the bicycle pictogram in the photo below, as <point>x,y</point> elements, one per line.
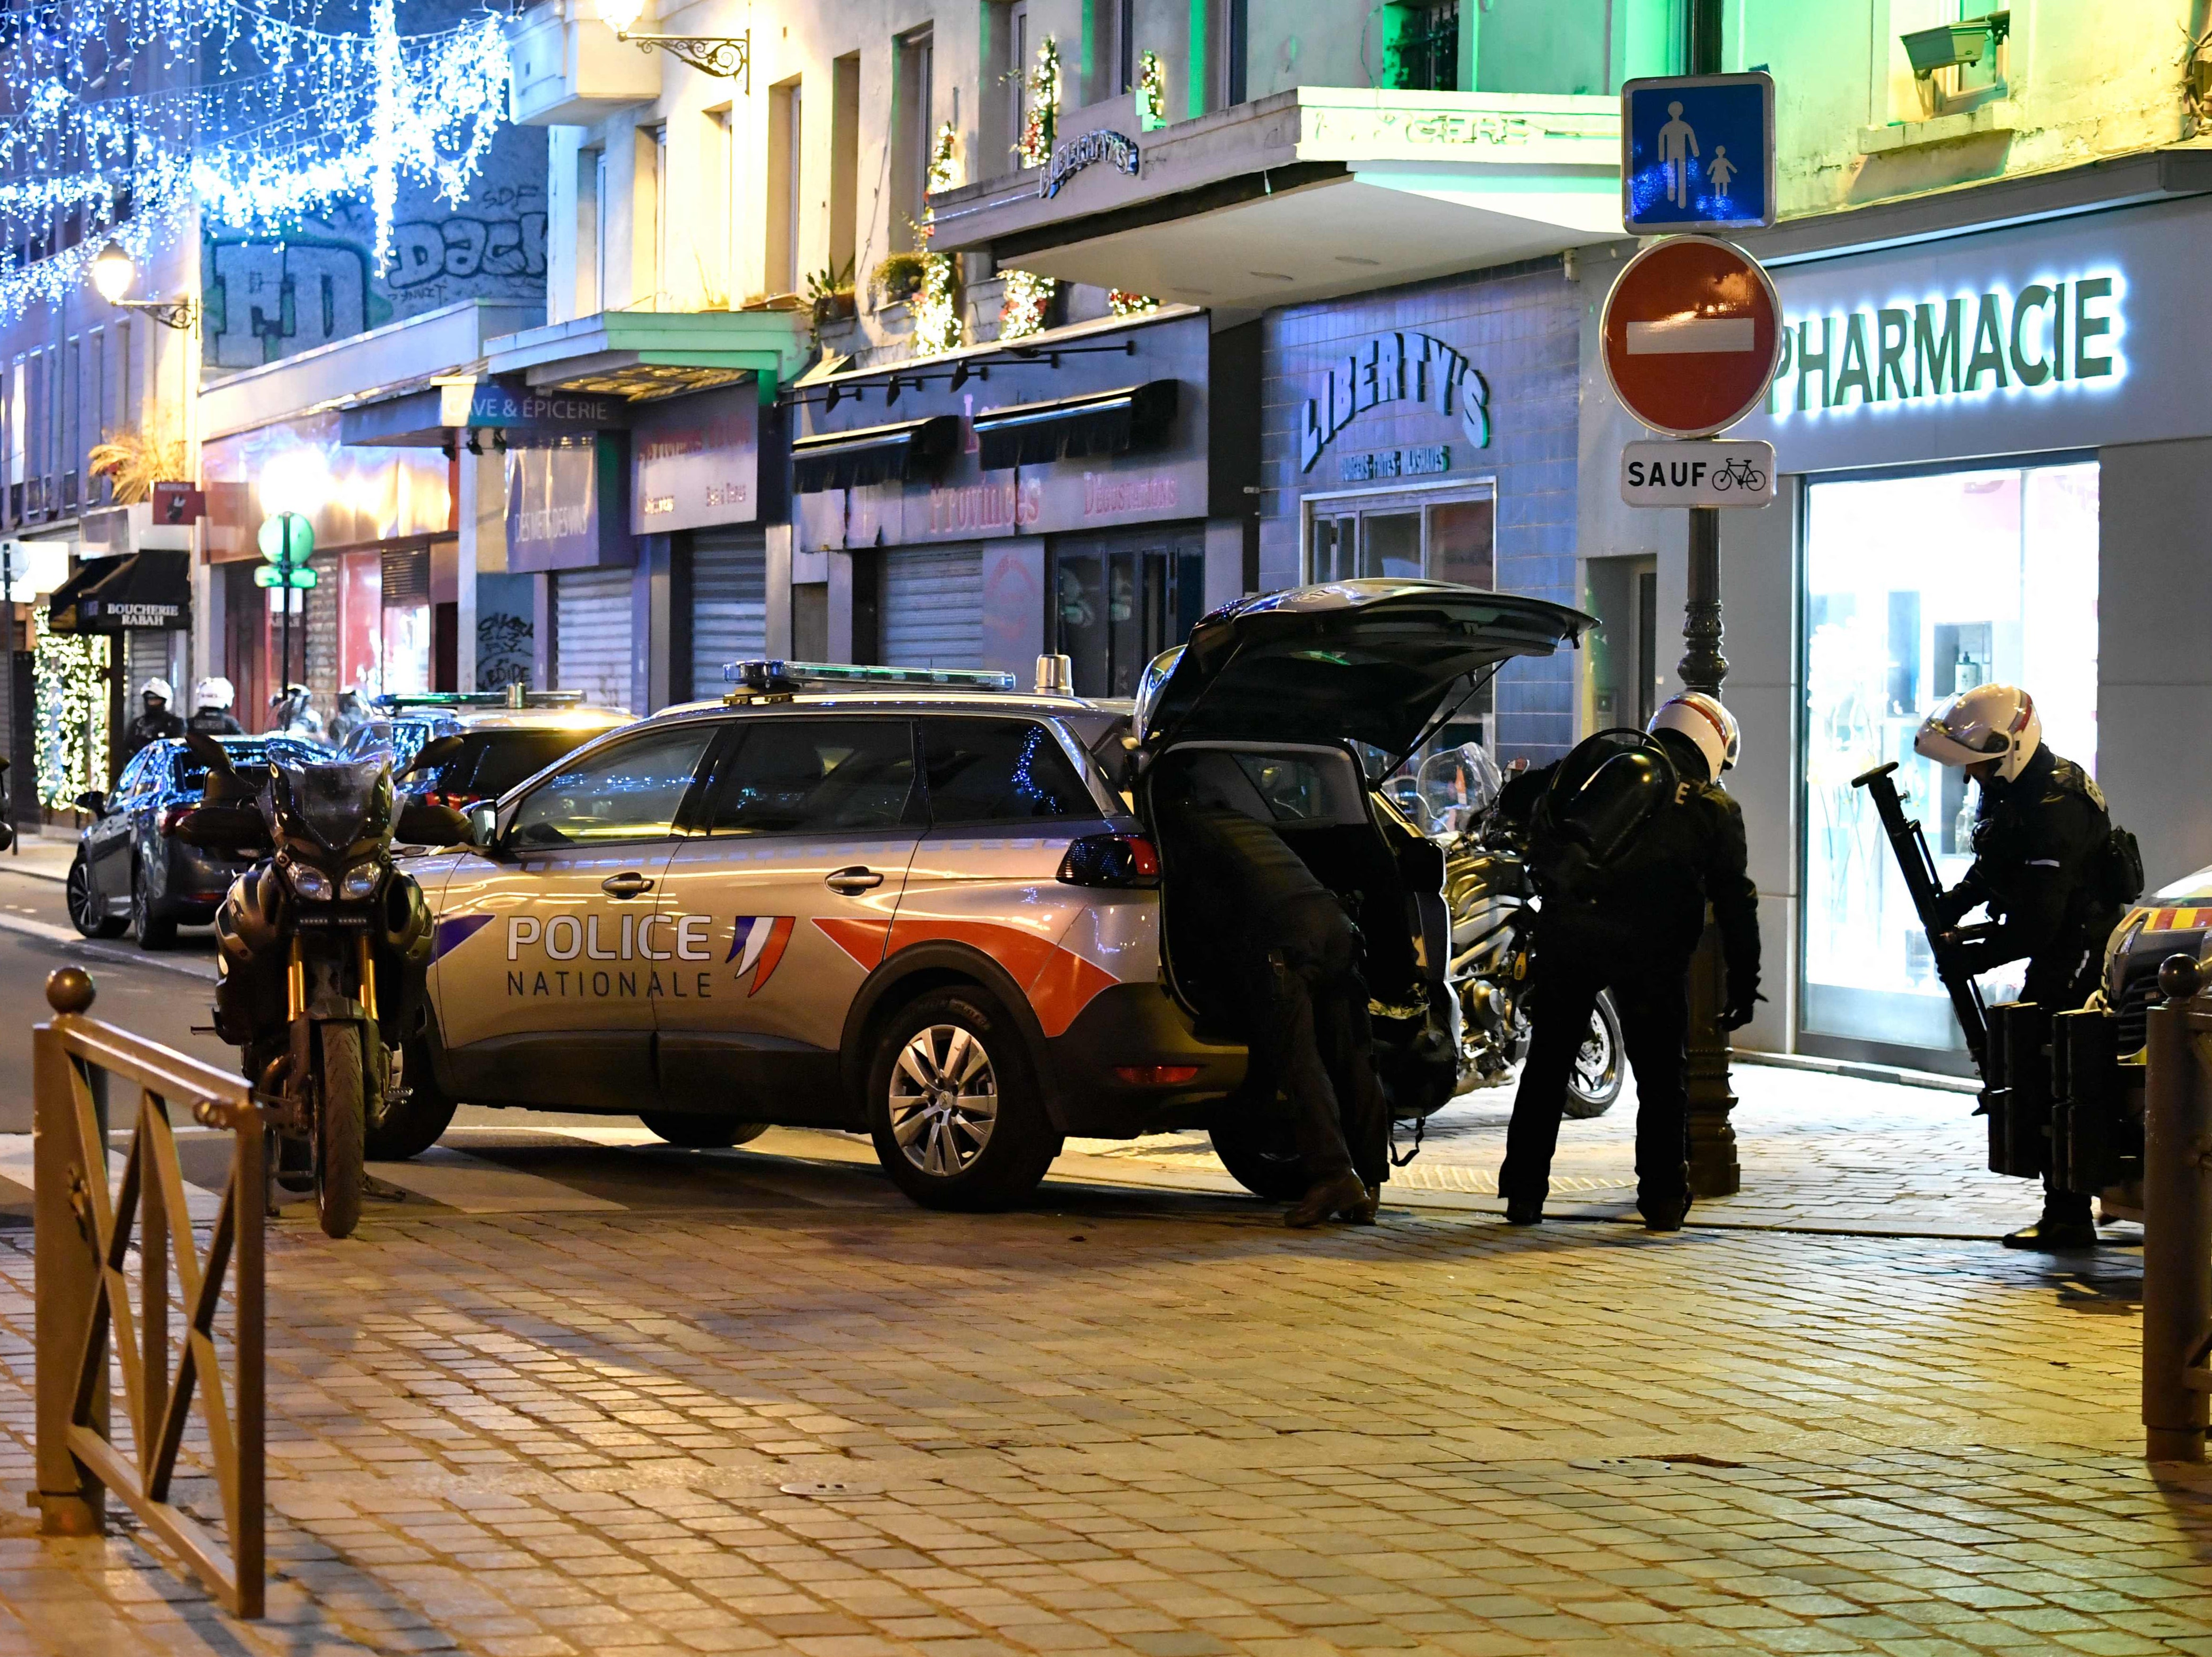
<point>1739,473</point>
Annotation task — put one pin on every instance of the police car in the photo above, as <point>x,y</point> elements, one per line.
<point>2175,920</point>
<point>916,904</point>
<point>454,748</point>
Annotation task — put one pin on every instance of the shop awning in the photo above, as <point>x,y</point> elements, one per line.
<point>873,455</point>
<point>1102,423</point>
<point>140,589</point>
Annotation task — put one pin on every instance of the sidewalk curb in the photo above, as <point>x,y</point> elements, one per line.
<point>100,950</point>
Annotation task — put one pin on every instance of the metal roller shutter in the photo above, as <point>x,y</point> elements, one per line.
<point>933,607</point>
<point>591,635</point>
<point>146,655</point>
<point>729,604</point>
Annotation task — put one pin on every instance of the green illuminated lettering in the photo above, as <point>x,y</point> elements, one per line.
<point>1988,356</point>
<point>2030,371</point>
<point>1853,370</point>
<point>2088,327</point>
<point>1785,355</point>
<point>1808,360</point>
<point>1935,355</point>
<point>1889,369</point>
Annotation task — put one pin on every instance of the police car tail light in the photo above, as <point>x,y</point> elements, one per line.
<point>1111,860</point>
<point>170,817</point>
<point>1155,1076</point>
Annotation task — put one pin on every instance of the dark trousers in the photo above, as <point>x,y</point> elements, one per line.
<point>2062,979</point>
<point>1652,997</point>
<point>1311,1041</point>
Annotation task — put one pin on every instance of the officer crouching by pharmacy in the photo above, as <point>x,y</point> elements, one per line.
<point>1629,838</point>
<point>2053,872</point>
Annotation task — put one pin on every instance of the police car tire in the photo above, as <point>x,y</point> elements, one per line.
<point>700,1133</point>
<point>1262,1157</point>
<point>155,930</point>
<point>1021,1143</point>
<point>410,1124</point>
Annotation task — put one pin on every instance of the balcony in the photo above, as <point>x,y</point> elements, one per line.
<point>565,68</point>
<point>642,354</point>
<point>1306,195</point>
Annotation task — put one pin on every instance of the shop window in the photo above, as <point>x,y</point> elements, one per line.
<point>1889,632</point>
<point>1421,47</point>
<point>1118,601</point>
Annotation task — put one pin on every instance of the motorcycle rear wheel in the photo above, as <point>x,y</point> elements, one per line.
<point>339,1129</point>
<point>1593,1083</point>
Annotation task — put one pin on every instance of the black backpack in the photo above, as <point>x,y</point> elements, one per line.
<point>1601,797</point>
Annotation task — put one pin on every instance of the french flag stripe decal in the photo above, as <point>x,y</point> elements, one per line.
<point>748,937</point>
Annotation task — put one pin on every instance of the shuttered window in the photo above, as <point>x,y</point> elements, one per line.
<point>933,607</point>
<point>591,635</point>
<point>729,605</point>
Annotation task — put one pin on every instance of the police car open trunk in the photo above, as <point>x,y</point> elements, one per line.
<point>1293,707</point>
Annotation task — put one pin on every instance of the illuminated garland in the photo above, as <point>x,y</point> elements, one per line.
<point>1025,301</point>
<point>70,737</point>
<point>1040,119</point>
<point>1151,93</point>
<point>937,305</point>
<point>272,119</point>
<point>1120,301</point>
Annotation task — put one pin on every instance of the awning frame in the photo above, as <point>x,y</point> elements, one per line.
<point>1103,422</point>
<point>873,455</point>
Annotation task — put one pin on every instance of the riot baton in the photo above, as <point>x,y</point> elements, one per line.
<point>1921,880</point>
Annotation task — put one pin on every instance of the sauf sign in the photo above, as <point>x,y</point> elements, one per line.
<point>2001,342</point>
<point>1395,367</point>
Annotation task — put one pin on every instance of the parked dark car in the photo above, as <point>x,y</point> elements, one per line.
<point>485,745</point>
<point>131,872</point>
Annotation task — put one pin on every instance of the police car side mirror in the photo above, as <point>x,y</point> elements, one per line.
<point>484,826</point>
<point>92,800</point>
<point>424,825</point>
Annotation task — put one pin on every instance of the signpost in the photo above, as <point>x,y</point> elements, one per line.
<point>287,542</point>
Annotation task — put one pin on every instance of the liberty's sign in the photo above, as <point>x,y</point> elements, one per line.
<point>1395,367</point>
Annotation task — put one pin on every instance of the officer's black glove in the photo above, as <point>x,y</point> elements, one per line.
<point>1740,1007</point>
<point>1951,906</point>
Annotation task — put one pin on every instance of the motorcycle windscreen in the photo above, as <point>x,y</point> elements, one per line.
<point>336,805</point>
<point>1372,660</point>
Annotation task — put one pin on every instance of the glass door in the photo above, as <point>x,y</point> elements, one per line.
<point>1119,600</point>
<point>1916,588</point>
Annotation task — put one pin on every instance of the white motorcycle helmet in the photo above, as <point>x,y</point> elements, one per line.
<point>1989,723</point>
<point>216,693</point>
<point>1708,725</point>
<point>160,687</point>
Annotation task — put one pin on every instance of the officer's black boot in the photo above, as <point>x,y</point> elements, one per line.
<point>2065,1224</point>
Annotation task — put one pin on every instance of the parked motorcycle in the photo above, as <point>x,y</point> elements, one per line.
<point>324,949</point>
<point>1493,905</point>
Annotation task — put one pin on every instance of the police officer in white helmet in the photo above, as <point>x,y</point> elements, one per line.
<point>211,701</point>
<point>155,719</point>
<point>2049,867</point>
<point>1630,921</point>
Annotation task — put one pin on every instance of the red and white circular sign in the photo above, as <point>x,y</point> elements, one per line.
<point>1691,330</point>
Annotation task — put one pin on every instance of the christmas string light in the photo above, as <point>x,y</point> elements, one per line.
<point>937,305</point>
<point>272,119</point>
<point>70,739</point>
<point>1026,298</point>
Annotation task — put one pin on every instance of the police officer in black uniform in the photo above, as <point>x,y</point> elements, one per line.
<point>1286,944</point>
<point>2046,864</point>
<point>1632,922</point>
<point>155,721</point>
<point>211,714</point>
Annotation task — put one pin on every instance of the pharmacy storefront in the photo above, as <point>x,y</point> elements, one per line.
<point>1994,450</point>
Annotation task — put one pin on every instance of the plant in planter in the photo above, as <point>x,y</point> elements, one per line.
<point>829,295</point>
<point>898,278</point>
<point>1033,147</point>
<point>937,305</point>
<point>137,460</point>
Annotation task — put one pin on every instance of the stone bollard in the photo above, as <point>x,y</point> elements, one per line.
<point>2177,1320</point>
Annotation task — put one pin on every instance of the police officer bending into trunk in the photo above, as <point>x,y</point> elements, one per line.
<point>1293,953</point>
<point>1628,841</point>
<point>2053,872</point>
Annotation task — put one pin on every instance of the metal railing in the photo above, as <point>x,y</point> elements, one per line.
<point>2177,1322</point>
<point>84,1238</point>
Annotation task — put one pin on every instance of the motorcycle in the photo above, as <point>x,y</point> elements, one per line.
<point>324,950</point>
<point>1493,905</point>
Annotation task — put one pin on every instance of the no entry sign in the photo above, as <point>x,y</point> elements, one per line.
<point>1691,331</point>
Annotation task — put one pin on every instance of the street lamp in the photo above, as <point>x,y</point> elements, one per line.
<point>729,56</point>
<point>113,274</point>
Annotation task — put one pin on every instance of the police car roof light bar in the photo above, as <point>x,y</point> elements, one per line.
<point>399,701</point>
<point>787,676</point>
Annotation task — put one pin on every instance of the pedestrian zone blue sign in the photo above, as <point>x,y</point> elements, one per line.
<point>1697,152</point>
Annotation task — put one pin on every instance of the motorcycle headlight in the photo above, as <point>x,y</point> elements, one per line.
<point>309,882</point>
<point>360,881</point>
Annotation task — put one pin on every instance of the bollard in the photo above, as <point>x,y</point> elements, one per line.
<point>2177,1320</point>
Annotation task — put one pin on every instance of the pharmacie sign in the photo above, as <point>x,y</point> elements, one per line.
<point>1396,369</point>
<point>2001,341</point>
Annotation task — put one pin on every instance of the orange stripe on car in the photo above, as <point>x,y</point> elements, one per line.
<point>862,939</point>
<point>1058,982</point>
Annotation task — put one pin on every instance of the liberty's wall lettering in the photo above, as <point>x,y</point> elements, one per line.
<point>1393,367</point>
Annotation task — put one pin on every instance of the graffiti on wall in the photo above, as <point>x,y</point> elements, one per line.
<point>505,631</point>
<point>269,296</point>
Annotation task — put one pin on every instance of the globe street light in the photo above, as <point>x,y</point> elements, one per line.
<point>112,275</point>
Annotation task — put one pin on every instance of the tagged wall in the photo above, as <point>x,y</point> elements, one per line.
<point>271,298</point>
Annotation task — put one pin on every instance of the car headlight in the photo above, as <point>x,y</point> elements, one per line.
<point>360,881</point>
<point>309,882</point>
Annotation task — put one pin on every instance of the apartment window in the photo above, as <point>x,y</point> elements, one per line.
<point>712,246</point>
<point>911,136</point>
<point>785,123</point>
<point>1223,79</point>
<point>126,385</point>
<point>591,230</point>
<point>98,492</point>
<point>1421,53</point>
<point>70,437</point>
<point>844,163</point>
<point>1007,60</point>
<point>652,195</point>
<point>1110,63</point>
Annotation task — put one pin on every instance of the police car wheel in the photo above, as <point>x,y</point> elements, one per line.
<point>155,930</point>
<point>406,1122</point>
<point>700,1133</point>
<point>953,1104</point>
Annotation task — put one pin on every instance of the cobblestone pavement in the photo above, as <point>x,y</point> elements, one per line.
<point>812,1419</point>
